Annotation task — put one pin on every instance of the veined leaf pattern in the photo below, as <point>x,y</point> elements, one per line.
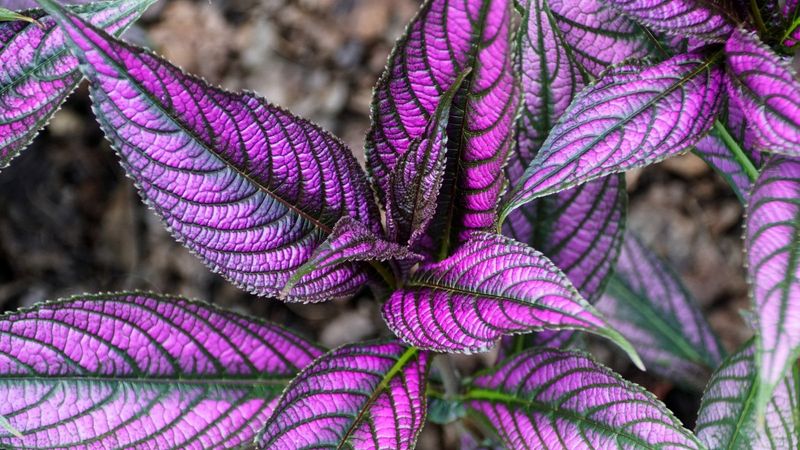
<point>546,398</point>
<point>598,35</point>
<point>37,72</point>
<point>366,396</point>
<point>767,90</point>
<point>490,287</point>
<point>632,117</point>
<point>772,244</point>
<point>444,39</point>
<point>727,419</point>
<point>250,188</point>
<point>648,304</point>
<point>140,370</point>
<point>716,153</point>
<point>700,19</point>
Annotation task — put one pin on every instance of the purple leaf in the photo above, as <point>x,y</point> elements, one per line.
<point>598,35</point>
<point>549,79</point>
<point>250,188</point>
<point>696,18</point>
<point>727,419</point>
<point>417,177</point>
<point>767,90</point>
<point>491,286</point>
<point>772,244</point>
<point>369,396</point>
<point>730,159</point>
<point>349,241</point>
<point>139,370</point>
<point>443,40</point>
<point>647,303</point>
<point>547,398</point>
<point>37,73</point>
<point>632,117</point>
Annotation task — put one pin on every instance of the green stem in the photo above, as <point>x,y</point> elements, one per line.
<point>741,157</point>
<point>387,275</point>
<point>762,29</point>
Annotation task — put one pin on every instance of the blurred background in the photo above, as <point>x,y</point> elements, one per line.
<point>71,221</point>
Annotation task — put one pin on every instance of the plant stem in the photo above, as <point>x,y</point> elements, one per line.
<point>762,29</point>
<point>387,276</point>
<point>741,157</point>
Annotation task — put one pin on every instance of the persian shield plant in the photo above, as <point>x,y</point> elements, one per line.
<point>492,214</point>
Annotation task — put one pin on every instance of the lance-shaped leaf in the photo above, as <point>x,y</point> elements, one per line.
<point>772,243</point>
<point>139,370</point>
<point>727,418</point>
<point>417,178</point>
<point>369,396</point>
<point>553,399</point>
<point>491,286</point>
<point>250,188</point>
<point>443,40</point>
<point>767,90</point>
<point>37,72</point>
<point>598,35</point>
<point>695,18</point>
<point>549,78</point>
<point>649,305</point>
<point>349,241</point>
<point>632,117</point>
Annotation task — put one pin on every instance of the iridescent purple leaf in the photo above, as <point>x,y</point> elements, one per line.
<point>696,18</point>
<point>549,79</point>
<point>349,241</point>
<point>727,418</point>
<point>443,40</point>
<point>491,286</point>
<point>647,303</point>
<point>37,72</point>
<point>767,90</point>
<point>366,396</point>
<point>632,117</point>
<point>772,244</point>
<point>598,35</point>
<point>418,175</point>
<point>250,188</point>
<point>139,370</point>
<point>547,398</point>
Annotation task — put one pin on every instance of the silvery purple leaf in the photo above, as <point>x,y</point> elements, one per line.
<point>696,18</point>
<point>37,72</point>
<point>549,79</point>
<point>349,241</point>
<point>139,370</point>
<point>490,287</point>
<point>767,90</point>
<point>648,304</point>
<point>772,244</point>
<point>552,399</point>
<point>366,396</point>
<point>598,35</point>
<point>417,177</point>
<point>727,418</point>
<point>250,188</point>
<point>443,40</point>
<point>632,117</point>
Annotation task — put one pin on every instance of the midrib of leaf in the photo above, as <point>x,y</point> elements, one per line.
<point>619,290</point>
<point>154,102</point>
<point>744,415</point>
<point>458,150</point>
<point>399,365</point>
<point>739,155</point>
<point>532,405</point>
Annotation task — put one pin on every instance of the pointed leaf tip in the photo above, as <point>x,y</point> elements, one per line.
<point>247,186</point>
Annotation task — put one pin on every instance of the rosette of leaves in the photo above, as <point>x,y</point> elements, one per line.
<point>553,98</point>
